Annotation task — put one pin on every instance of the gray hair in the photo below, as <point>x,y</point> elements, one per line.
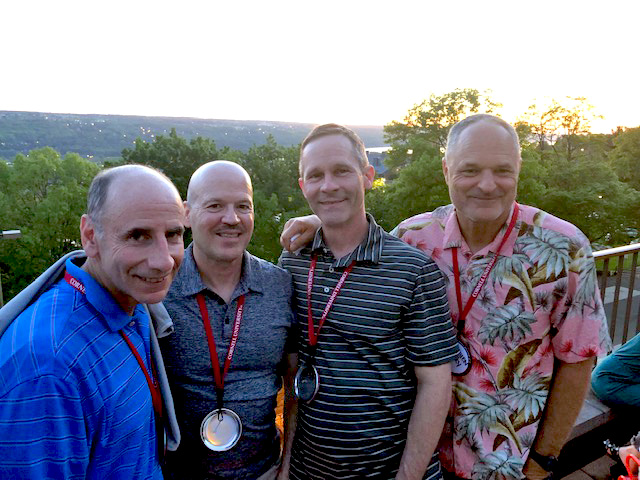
<point>100,186</point>
<point>458,128</point>
<point>335,129</point>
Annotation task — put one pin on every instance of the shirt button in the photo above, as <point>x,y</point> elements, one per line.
<point>331,270</point>
<point>132,323</point>
<point>326,289</point>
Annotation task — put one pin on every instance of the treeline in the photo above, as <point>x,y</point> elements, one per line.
<point>102,137</point>
<point>591,180</point>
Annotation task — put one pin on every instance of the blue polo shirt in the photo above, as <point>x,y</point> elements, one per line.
<point>74,403</point>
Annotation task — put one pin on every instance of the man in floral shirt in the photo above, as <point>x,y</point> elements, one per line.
<point>538,307</point>
<point>523,295</point>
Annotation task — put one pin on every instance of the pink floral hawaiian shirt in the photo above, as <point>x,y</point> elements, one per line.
<point>540,301</point>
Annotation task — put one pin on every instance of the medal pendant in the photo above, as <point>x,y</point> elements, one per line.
<point>306,383</point>
<point>221,429</point>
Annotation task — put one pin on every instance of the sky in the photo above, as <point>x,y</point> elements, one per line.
<point>350,61</point>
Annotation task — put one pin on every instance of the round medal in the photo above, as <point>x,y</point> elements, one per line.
<point>306,383</point>
<point>462,363</point>
<point>221,429</point>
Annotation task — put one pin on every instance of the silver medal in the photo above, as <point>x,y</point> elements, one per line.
<point>221,429</point>
<point>306,383</point>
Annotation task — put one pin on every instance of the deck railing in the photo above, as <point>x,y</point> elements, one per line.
<point>617,271</point>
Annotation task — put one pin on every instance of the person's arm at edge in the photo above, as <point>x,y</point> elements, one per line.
<point>302,228</point>
<point>290,414</point>
<point>568,389</point>
<point>429,412</point>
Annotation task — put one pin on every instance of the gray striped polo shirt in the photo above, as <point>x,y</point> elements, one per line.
<point>390,315</point>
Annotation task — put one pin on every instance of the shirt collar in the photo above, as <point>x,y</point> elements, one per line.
<point>190,282</point>
<point>369,250</point>
<point>100,299</point>
<point>453,236</point>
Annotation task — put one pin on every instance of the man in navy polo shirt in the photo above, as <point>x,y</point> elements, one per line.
<point>79,395</point>
<point>232,315</point>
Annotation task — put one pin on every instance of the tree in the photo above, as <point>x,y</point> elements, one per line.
<point>558,126</point>
<point>174,156</point>
<point>625,156</point>
<point>44,196</point>
<point>274,173</point>
<point>426,125</point>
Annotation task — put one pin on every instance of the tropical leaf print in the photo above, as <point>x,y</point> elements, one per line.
<point>546,247</point>
<point>499,465</point>
<point>587,287</point>
<point>528,395</point>
<point>515,362</point>
<point>507,323</point>
<point>483,411</point>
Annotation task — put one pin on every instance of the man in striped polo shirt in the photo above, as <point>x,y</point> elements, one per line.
<point>376,337</point>
<point>538,322</point>
<point>78,389</point>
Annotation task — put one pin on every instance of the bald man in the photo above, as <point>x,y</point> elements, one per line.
<point>79,395</point>
<point>232,314</point>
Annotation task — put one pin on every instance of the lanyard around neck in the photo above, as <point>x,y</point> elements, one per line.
<point>154,388</point>
<point>217,375</point>
<point>463,312</point>
<point>313,335</point>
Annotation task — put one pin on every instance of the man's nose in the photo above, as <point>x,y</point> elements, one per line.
<point>329,183</point>
<point>160,257</point>
<point>230,216</point>
<point>487,181</point>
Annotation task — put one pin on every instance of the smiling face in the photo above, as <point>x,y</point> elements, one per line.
<point>333,181</point>
<point>220,212</point>
<point>481,170</point>
<point>138,247</point>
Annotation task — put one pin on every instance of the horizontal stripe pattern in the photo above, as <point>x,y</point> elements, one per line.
<point>74,402</point>
<point>390,315</point>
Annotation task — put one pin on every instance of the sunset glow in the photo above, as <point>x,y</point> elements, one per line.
<point>355,62</point>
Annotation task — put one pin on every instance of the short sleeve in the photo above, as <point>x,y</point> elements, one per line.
<point>429,333</point>
<point>579,315</point>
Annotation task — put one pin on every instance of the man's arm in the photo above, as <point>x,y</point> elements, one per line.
<point>290,414</point>
<point>568,390</point>
<point>433,399</point>
<point>302,228</point>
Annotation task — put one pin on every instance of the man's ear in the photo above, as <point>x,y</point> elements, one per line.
<point>301,185</point>
<point>445,169</point>
<point>369,175</point>
<point>88,235</point>
<point>187,212</point>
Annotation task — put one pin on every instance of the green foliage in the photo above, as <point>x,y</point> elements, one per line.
<point>426,125</point>
<point>625,156</point>
<point>44,196</point>
<point>420,187</point>
<point>174,156</point>
<point>559,127</point>
<point>277,197</point>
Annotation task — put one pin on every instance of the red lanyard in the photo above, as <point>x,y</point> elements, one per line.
<point>483,278</point>
<point>219,377</point>
<point>156,396</point>
<point>313,335</point>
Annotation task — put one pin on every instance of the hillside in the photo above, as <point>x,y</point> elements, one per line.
<point>104,136</point>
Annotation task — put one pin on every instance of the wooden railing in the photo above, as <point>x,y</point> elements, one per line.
<point>618,266</point>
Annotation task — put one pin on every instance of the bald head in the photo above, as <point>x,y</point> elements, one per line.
<point>202,178</point>
<point>125,180</point>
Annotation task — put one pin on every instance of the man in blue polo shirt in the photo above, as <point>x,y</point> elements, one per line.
<point>79,395</point>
